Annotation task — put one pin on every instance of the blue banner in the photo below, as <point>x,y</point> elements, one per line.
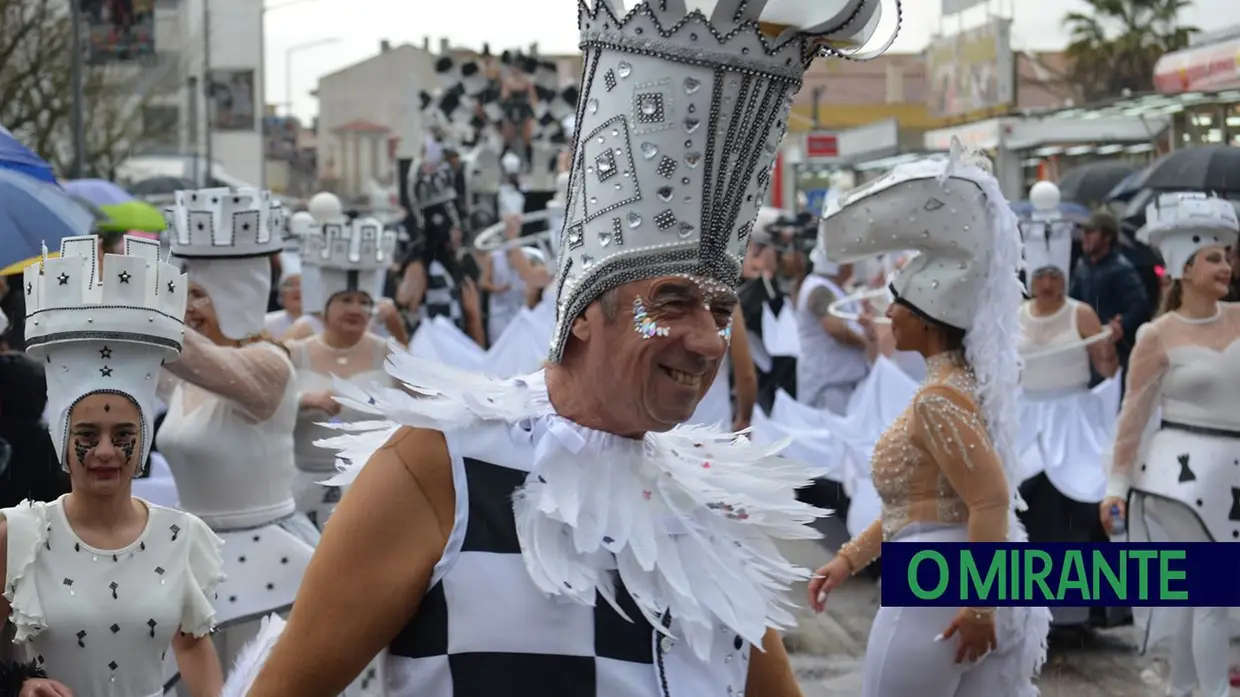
<point>815,199</point>
<point>1202,574</point>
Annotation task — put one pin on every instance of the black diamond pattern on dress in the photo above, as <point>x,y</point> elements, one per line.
<point>115,628</point>
<point>152,623</point>
<point>114,585</point>
<point>1186,474</point>
<point>175,531</point>
<point>1234,514</point>
<point>159,570</point>
<point>112,665</point>
<point>68,582</point>
<point>81,637</point>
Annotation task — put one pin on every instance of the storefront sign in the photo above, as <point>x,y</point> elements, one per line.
<point>1204,68</point>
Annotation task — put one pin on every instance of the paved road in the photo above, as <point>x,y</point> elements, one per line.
<point>827,649</point>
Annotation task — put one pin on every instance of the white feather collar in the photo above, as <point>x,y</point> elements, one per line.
<point>687,518</point>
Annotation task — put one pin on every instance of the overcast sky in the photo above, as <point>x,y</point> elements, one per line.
<point>359,25</point>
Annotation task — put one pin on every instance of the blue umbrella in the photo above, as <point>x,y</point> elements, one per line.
<point>19,158</point>
<point>34,213</point>
<point>1072,211</point>
<point>98,191</point>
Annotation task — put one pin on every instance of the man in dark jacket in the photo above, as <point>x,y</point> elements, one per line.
<point>1107,281</point>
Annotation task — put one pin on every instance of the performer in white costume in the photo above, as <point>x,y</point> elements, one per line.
<point>98,584</point>
<point>228,436</point>
<point>1182,485</point>
<point>940,467</point>
<point>556,534</point>
<point>1065,427</point>
<point>343,271</point>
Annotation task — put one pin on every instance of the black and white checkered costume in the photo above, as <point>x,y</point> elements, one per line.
<point>485,630</point>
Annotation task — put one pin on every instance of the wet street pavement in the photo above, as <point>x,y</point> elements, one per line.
<point>827,649</point>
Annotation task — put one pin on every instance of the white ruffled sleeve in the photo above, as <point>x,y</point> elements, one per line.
<point>205,573</point>
<point>27,536</point>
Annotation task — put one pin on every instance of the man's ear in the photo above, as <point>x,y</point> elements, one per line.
<point>582,327</point>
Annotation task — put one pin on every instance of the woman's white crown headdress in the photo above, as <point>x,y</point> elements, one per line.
<point>342,257</point>
<point>683,104</point>
<point>103,328</point>
<point>225,223</point>
<point>1182,223</point>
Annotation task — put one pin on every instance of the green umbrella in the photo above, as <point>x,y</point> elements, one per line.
<point>132,215</point>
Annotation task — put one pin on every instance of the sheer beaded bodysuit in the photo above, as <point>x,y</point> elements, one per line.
<point>936,464</point>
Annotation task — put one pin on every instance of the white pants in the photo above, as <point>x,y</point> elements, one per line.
<point>1200,645</point>
<point>902,657</point>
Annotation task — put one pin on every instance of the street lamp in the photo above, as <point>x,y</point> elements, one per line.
<point>288,64</point>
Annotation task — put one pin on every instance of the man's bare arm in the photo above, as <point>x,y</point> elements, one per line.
<point>819,303</point>
<point>770,673</point>
<point>370,571</point>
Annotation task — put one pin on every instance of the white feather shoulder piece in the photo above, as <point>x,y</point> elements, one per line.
<point>252,657</point>
<point>687,520</point>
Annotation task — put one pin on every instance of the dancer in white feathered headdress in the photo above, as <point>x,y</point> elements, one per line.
<point>945,468</point>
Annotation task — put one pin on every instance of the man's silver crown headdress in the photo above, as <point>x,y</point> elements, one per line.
<point>103,328</point>
<point>348,256</point>
<point>679,119</point>
<point>225,223</point>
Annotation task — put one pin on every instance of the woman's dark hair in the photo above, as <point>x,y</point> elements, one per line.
<point>1173,298</point>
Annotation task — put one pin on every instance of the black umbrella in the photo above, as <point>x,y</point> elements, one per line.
<point>95,211</point>
<point>1209,168</point>
<point>1089,184</point>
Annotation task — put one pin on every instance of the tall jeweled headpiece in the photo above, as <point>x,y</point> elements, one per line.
<point>103,327</point>
<point>349,256</point>
<point>680,115</point>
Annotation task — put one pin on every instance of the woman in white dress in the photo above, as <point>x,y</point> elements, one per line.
<point>341,282</point>
<point>232,406</point>
<point>1179,484</point>
<point>942,467</point>
<point>99,584</point>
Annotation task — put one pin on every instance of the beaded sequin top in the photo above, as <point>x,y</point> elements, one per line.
<point>936,464</point>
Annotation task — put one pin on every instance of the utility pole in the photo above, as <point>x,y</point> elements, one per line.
<point>208,84</point>
<point>77,107</point>
<point>191,85</point>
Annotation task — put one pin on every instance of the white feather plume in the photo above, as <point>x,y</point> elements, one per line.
<point>252,657</point>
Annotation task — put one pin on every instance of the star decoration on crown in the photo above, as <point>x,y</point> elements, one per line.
<point>172,286</point>
<point>105,353</point>
<point>29,288</point>
<point>105,371</point>
<point>63,278</point>
<point>124,276</point>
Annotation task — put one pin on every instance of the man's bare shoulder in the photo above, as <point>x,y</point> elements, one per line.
<point>424,455</point>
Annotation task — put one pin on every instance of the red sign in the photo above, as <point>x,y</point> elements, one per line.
<point>1210,67</point>
<point>822,145</point>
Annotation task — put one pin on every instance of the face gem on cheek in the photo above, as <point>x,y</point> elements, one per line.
<point>82,447</point>
<point>127,448</point>
<point>726,332</point>
<point>643,323</point>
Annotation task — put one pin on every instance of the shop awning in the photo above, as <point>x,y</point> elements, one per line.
<point>1201,68</point>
